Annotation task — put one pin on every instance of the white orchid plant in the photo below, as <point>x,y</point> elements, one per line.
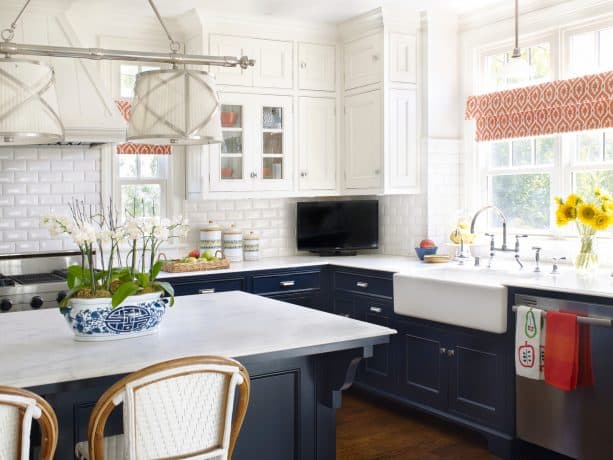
<point>101,235</point>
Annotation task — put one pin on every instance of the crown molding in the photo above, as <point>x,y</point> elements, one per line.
<point>398,19</point>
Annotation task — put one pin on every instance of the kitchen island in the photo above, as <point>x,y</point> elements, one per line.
<point>299,360</point>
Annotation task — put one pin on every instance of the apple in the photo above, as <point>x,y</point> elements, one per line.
<point>195,253</point>
<point>427,244</point>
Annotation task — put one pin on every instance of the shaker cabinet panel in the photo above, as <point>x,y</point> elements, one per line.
<point>317,143</point>
<point>363,143</point>
<point>404,168</point>
<point>316,67</point>
<point>363,61</point>
<point>403,58</point>
<point>273,68</point>
<point>230,45</point>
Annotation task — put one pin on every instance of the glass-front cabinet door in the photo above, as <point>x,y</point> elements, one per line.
<point>229,160</point>
<point>256,152</point>
<point>275,121</point>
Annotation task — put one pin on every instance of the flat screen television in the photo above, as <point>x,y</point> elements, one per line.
<point>337,227</point>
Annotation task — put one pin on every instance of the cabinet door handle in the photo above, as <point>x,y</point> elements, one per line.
<point>375,309</point>
<point>442,350</point>
<point>287,283</point>
<point>451,353</point>
<point>362,284</point>
<point>206,291</point>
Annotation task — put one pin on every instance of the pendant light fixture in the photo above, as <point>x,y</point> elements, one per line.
<point>516,67</point>
<point>176,106</point>
<point>28,102</point>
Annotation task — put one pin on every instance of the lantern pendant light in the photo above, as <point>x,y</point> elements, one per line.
<point>175,106</point>
<point>28,101</point>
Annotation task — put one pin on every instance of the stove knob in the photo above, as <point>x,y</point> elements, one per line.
<point>6,305</point>
<point>60,296</point>
<point>36,302</point>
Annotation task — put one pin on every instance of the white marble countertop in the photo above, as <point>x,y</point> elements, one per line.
<point>505,272</point>
<point>39,348</point>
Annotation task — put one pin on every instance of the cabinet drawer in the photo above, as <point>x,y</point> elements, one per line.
<point>364,284</point>
<point>293,281</point>
<point>209,286</point>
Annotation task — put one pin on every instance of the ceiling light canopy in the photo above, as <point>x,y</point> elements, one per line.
<point>175,106</point>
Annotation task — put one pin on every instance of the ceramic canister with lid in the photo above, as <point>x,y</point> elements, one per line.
<point>251,246</point>
<point>210,238</point>
<point>233,244</point>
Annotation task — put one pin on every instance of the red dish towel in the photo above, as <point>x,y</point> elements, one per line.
<point>568,354</point>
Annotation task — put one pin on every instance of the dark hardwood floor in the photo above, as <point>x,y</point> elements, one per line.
<point>371,429</point>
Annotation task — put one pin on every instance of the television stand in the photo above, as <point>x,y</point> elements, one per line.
<point>337,252</point>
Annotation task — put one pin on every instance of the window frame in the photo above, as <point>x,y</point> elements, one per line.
<point>566,163</point>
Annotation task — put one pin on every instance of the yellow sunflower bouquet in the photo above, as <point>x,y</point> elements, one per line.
<point>590,217</point>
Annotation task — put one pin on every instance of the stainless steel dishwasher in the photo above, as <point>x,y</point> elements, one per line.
<point>576,423</point>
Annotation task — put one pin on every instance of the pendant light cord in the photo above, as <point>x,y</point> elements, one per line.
<point>9,34</point>
<point>516,50</point>
<point>174,45</point>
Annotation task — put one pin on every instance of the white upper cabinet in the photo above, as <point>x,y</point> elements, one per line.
<point>316,67</point>
<point>273,61</point>
<point>363,61</point>
<point>363,141</point>
<point>403,58</point>
<point>317,143</point>
<point>403,156</point>
<point>273,64</point>
<point>230,45</point>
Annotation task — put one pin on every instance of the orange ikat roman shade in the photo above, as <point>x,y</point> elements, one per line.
<point>560,106</point>
<point>138,149</point>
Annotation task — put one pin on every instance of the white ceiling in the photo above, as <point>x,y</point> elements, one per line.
<point>308,10</point>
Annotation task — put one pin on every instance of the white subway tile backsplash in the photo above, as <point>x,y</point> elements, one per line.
<point>37,181</point>
<point>13,165</point>
<point>39,165</point>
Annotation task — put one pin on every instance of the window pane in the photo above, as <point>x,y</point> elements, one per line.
<point>545,150</point>
<point>523,198</point>
<point>141,199</point>
<point>583,54</point>
<point>272,168</point>
<point>522,152</point>
<point>586,182</point>
<point>500,154</point>
<point>589,147</point>
<point>540,62</point>
<point>127,77</point>
<point>272,117</point>
<point>151,165</point>
<point>127,166</point>
<point>232,142</point>
<point>608,145</point>
<point>231,168</point>
<point>606,49</point>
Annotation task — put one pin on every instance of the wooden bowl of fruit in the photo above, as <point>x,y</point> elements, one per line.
<point>197,261</point>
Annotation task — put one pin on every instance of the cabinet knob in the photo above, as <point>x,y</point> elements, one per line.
<point>377,171</point>
<point>375,57</point>
<point>303,65</point>
<point>442,350</point>
<point>303,174</point>
<point>254,175</point>
<point>451,353</point>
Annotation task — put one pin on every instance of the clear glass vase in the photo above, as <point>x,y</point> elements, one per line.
<point>586,261</point>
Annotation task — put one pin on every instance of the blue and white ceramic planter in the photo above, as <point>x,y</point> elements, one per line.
<point>96,319</point>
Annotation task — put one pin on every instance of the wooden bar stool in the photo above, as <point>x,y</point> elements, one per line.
<point>178,409</point>
<point>17,410</point>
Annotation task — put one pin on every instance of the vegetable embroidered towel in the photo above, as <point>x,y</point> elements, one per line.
<point>528,342</point>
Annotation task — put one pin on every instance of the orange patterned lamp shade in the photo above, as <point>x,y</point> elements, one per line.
<point>561,106</point>
<point>138,149</point>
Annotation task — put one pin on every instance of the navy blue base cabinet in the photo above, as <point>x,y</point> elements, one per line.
<point>462,375</point>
